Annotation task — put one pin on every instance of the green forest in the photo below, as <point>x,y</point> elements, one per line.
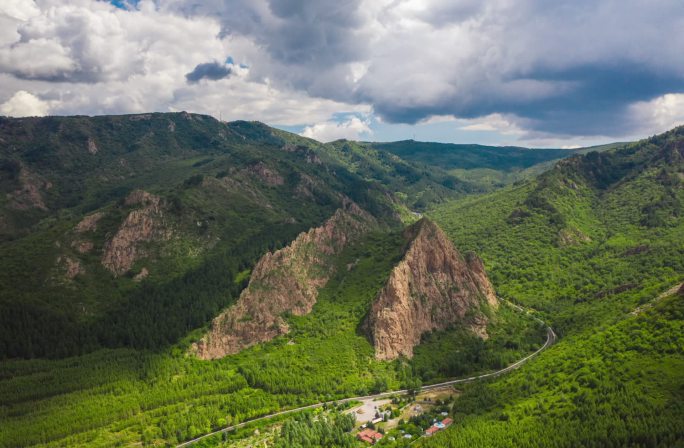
<point>592,245</point>
<point>590,241</point>
<point>119,396</point>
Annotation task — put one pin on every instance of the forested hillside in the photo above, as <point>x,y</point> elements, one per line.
<point>586,244</point>
<point>133,230</point>
<point>122,237</point>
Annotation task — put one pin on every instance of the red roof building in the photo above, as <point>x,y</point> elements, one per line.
<point>431,430</point>
<point>447,421</point>
<point>369,436</point>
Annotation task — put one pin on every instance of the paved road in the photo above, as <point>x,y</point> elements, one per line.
<point>550,339</point>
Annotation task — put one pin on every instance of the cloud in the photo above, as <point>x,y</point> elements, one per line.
<point>494,123</point>
<point>24,104</point>
<point>354,128</point>
<point>570,67</point>
<point>208,70</point>
<point>528,69</point>
<point>659,114</point>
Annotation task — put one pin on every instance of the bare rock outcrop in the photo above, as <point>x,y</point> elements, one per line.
<point>432,288</point>
<point>284,281</point>
<point>82,246</point>
<point>89,223</point>
<point>142,225</point>
<point>30,193</point>
<point>142,275</point>
<point>71,266</point>
<point>92,146</point>
<point>267,175</point>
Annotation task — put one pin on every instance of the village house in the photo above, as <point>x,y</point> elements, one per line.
<point>438,426</point>
<point>369,436</point>
<point>431,430</point>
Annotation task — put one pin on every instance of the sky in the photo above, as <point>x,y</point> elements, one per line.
<point>540,73</point>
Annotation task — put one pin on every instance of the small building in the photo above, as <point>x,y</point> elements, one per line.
<point>447,421</point>
<point>431,431</point>
<point>376,420</point>
<point>369,436</point>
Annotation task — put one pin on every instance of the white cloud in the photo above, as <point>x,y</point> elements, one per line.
<point>353,128</point>
<point>24,104</point>
<point>494,123</point>
<point>19,9</point>
<point>659,114</point>
<point>525,69</point>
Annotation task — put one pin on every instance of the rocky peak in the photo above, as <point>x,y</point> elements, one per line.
<point>432,288</point>
<point>283,281</point>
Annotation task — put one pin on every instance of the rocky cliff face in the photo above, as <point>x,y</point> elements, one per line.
<point>432,288</point>
<point>142,224</point>
<point>284,281</point>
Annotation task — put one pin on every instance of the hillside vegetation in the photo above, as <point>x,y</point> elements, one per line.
<point>123,237</point>
<point>585,244</point>
<point>134,230</point>
<point>125,396</point>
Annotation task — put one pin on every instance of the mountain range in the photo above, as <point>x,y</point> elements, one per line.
<point>166,275</point>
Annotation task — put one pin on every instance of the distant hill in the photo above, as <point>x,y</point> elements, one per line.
<point>479,166</point>
<point>468,156</point>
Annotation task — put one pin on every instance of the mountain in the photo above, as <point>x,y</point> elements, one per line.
<point>432,288</point>
<point>469,156</point>
<point>167,275</point>
<point>479,168</point>
<point>589,245</point>
<point>164,275</point>
<point>109,225</point>
<point>285,281</point>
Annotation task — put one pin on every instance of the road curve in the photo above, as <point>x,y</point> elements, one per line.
<point>550,339</point>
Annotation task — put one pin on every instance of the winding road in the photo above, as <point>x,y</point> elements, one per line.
<point>550,339</point>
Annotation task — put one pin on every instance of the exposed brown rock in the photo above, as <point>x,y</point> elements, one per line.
<point>284,281</point>
<point>140,276</point>
<point>432,288</point>
<point>89,223</point>
<point>141,197</point>
<point>73,267</point>
<point>82,246</point>
<point>308,155</point>
<point>141,225</point>
<point>30,193</point>
<point>267,175</point>
<point>92,146</point>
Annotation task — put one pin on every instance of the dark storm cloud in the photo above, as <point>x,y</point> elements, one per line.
<point>209,70</point>
<point>596,98</point>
